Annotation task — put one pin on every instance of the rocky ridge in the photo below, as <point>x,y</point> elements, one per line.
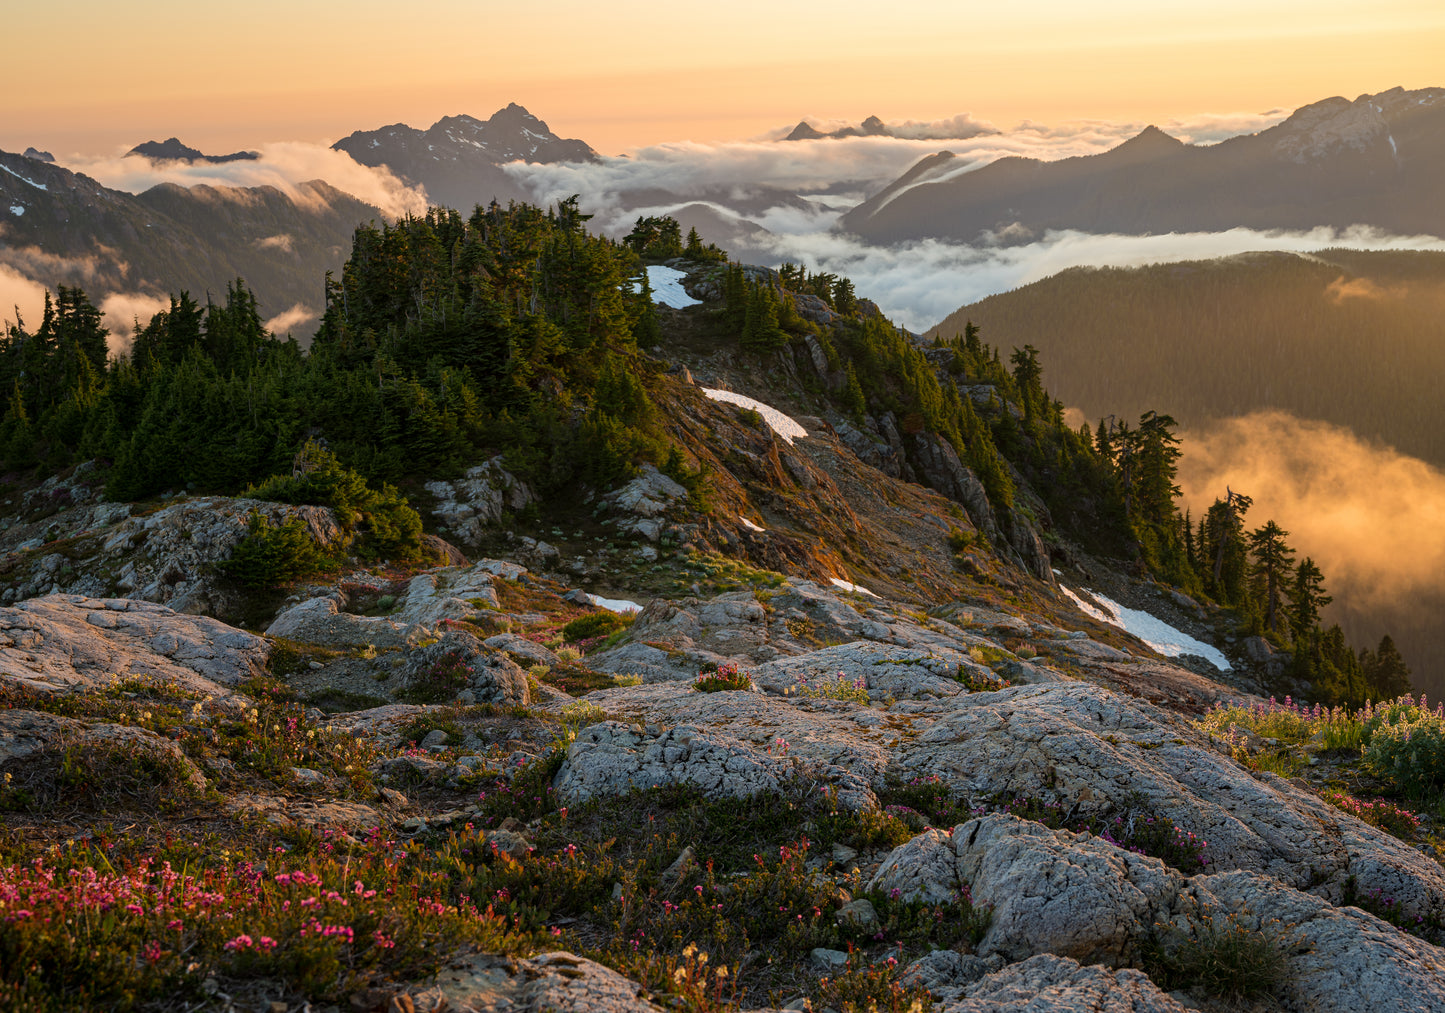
<point>900,696</point>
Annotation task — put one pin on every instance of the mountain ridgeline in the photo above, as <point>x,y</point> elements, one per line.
<point>1374,161</point>
<point>516,333</point>
<point>1352,337</point>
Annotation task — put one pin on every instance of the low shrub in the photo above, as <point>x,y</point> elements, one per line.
<point>595,624</point>
<point>870,988</point>
<point>1384,907</point>
<point>270,555</point>
<point>840,688</point>
<point>438,682</point>
<point>144,934</point>
<point>1411,752</point>
<point>1134,828</point>
<point>1221,958</point>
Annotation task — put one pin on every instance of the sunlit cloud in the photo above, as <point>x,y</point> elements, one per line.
<point>124,313</point>
<point>21,299</point>
<point>920,283</point>
<point>283,323</point>
<point>1372,518</point>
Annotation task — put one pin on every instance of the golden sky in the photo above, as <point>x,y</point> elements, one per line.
<point>87,76</point>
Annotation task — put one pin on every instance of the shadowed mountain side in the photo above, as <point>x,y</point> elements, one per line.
<point>1355,338</point>
<point>70,230</point>
<point>1375,161</point>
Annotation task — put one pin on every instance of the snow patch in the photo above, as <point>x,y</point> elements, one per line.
<point>666,284</point>
<point>614,604</point>
<point>17,209</point>
<point>784,425</point>
<point>38,186</point>
<point>750,525</point>
<point>848,585</point>
<point>1155,632</point>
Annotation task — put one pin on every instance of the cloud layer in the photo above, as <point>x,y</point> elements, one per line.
<point>281,165</point>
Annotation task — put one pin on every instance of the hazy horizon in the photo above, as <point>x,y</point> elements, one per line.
<point>226,76</point>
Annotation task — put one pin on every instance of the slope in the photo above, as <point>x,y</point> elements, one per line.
<point>59,227</point>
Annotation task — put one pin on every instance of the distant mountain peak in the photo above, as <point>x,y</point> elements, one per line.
<point>805,131</point>
<point>1151,138</point>
<point>172,150</point>
<point>35,154</point>
<point>458,158</point>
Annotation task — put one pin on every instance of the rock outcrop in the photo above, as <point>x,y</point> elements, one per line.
<point>65,642</point>
<point>1078,896</point>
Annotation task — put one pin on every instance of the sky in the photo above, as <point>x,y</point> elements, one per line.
<point>85,76</point>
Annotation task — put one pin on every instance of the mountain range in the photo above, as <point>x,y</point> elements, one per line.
<point>172,150</point>
<point>1375,161</point>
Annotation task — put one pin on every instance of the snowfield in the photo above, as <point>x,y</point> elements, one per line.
<point>614,604</point>
<point>38,186</point>
<point>848,585</point>
<point>667,287</point>
<point>1155,632</point>
<point>17,209</point>
<point>784,425</point>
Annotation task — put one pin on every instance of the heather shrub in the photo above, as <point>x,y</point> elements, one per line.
<point>724,677</point>
<point>1388,817</point>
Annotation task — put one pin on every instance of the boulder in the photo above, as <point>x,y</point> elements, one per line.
<point>492,676</point>
<point>650,494</point>
<point>320,621</point>
<point>1052,984</point>
<point>885,670</point>
<point>1078,896</point>
<point>612,758</point>
<point>556,982</point>
<point>449,593</point>
<point>25,733</point>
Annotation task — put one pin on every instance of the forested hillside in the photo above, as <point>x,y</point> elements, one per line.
<point>515,333</point>
<point>1355,338</point>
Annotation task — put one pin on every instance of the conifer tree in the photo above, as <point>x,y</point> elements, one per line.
<point>1306,596</point>
<point>1272,559</point>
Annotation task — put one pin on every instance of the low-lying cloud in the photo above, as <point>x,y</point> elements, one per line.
<point>21,299</point>
<point>126,312</point>
<point>1371,517</point>
<point>286,321</point>
<point>1341,290</point>
<point>919,284</point>
<point>282,165</point>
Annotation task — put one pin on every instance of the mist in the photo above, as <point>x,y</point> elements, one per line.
<point>281,165</point>
<point>1372,518</point>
